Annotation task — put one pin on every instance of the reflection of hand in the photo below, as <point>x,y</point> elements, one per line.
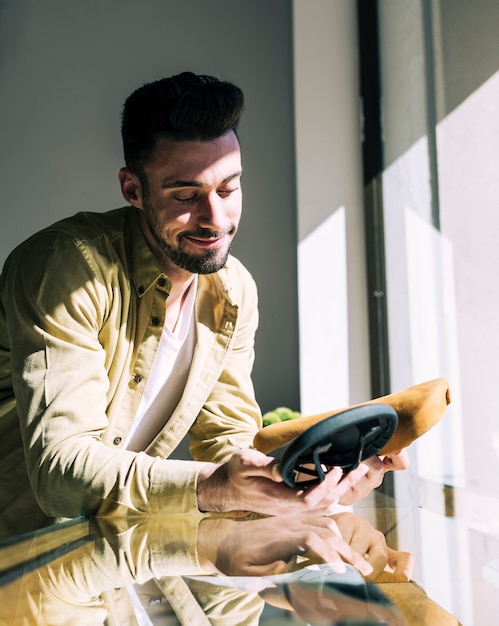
<point>376,469</point>
<point>371,543</point>
<point>250,481</point>
<point>364,539</point>
<point>263,547</point>
<point>398,569</point>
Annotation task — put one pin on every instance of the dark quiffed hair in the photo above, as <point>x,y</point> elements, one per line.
<point>185,107</point>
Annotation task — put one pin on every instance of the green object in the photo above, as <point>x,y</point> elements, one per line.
<point>280,414</point>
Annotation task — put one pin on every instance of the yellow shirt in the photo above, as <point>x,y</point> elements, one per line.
<point>81,314</point>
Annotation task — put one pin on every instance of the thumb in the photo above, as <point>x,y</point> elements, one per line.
<point>255,463</point>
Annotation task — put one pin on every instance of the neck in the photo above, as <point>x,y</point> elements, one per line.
<point>176,299</point>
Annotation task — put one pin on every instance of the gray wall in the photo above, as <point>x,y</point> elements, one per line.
<point>66,67</point>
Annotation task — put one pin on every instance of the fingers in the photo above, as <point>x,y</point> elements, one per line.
<point>373,547</point>
<point>396,460</point>
<point>325,496</point>
<point>400,563</point>
<point>364,540</point>
<point>373,478</point>
<point>319,536</point>
<point>319,543</point>
<point>377,466</point>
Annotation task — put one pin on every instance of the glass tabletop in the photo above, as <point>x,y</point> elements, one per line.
<point>249,569</point>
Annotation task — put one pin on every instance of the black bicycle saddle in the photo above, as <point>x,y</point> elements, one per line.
<point>345,440</point>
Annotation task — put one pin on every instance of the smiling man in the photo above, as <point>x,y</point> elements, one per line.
<point>122,332</point>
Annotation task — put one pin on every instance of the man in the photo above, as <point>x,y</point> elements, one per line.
<point>121,332</point>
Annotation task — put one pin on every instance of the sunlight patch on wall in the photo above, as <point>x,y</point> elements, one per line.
<point>468,140</point>
<point>422,311</point>
<point>323,316</point>
<point>433,340</point>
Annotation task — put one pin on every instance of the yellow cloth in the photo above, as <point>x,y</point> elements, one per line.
<point>81,313</point>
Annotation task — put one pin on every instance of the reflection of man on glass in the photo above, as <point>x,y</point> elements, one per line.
<point>207,570</point>
<point>122,331</point>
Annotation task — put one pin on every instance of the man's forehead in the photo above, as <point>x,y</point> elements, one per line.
<point>186,160</point>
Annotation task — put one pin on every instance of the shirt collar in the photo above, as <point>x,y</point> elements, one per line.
<point>143,267</point>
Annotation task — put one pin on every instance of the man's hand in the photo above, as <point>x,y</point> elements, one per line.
<point>376,468</point>
<point>250,481</point>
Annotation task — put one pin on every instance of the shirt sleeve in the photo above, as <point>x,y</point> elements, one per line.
<point>56,300</point>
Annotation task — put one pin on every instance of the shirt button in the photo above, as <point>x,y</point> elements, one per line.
<point>141,289</point>
<point>155,321</point>
<point>162,281</point>
<point>137,378</point>
<point>117,441</point>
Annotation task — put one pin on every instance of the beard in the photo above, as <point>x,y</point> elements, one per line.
<point>207,262</point>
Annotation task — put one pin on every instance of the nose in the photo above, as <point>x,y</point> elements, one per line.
<point>212,212</point>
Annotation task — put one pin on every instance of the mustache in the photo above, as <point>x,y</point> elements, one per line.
<point>207,233</point>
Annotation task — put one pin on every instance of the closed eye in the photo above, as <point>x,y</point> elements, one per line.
<point>225,193</point>
<point>186,200</point>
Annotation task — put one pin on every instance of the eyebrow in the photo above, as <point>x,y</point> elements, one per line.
<point>194,183</point>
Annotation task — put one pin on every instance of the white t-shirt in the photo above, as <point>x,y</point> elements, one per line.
<point>167,378</point>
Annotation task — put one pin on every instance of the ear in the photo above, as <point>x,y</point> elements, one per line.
<point>130,187</point>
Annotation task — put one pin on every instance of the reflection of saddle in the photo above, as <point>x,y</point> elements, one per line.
<point>398,587</point>
<point>416,607</point>
<point>418,409</point>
